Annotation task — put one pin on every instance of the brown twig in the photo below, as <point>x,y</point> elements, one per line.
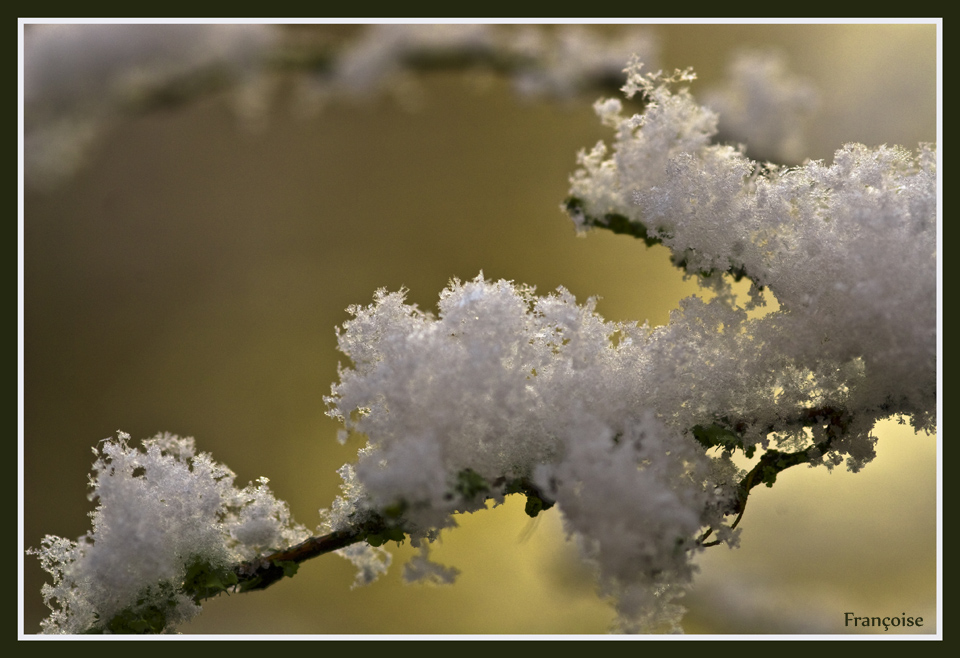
<point>264,572</point>
<point>774,461</point>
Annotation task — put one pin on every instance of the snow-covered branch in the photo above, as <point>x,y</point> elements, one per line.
<point>628,429</point>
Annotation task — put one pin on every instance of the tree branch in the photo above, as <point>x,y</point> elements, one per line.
<point>267,570</point>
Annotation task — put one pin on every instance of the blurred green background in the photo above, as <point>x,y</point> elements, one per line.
<point>190,277</point>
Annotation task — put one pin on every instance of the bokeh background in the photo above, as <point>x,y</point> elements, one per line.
<point>189,277</point>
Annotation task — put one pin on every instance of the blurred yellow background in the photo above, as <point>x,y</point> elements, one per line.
<point>190,277</point>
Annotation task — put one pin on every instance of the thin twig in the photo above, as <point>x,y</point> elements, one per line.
<point>265,571</point>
